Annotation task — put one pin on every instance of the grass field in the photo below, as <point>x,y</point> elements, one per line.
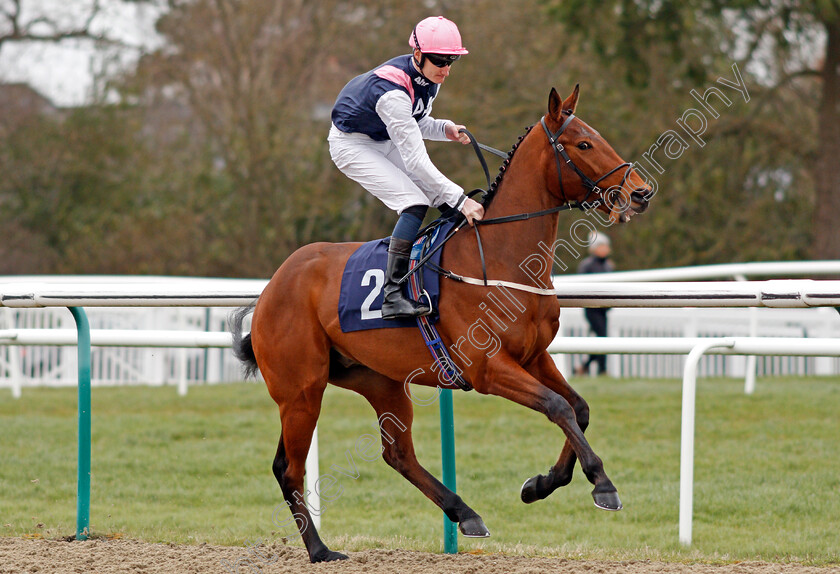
<point>198,468</point>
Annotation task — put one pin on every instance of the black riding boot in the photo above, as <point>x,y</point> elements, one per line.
<point>396,305</point>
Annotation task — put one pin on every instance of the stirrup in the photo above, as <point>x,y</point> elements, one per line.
<point>428,297</point>
<point>409,311</point>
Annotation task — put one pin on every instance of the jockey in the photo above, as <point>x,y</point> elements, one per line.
<point>379,122</point>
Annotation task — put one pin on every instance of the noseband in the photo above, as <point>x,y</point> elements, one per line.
<point>590,185</point>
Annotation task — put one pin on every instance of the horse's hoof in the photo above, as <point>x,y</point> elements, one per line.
<point>473,528</point>
<point>607,500</point>
<point>327,556</point>
<point>528,492</point>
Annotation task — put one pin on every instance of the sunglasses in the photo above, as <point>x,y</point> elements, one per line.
<point>442,60</point>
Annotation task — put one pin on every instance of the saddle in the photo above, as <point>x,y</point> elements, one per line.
<point>360,298</point>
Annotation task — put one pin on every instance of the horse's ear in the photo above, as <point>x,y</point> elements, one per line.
<point>555,104</point>
<point>571,102</point>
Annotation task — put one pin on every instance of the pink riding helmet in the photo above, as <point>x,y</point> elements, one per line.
<point>437,35</point>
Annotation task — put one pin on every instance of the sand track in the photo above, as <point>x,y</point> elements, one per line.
<point>19,556</point>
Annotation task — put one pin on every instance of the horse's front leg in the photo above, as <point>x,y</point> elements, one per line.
<point>542,485</point>
<point>506,378</point>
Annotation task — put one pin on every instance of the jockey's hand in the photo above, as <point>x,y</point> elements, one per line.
<point>453,134</point>
<point>472,210</point>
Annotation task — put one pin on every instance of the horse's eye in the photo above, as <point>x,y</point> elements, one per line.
<point>584,145</point>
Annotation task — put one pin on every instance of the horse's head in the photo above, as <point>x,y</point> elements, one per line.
<point>590,174</point>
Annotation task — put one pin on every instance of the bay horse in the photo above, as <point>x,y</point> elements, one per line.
<point>297,344</point>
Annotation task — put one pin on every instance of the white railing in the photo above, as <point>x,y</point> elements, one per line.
<point>53,366</point>
<point>631,324</point>
<point>25,366</point>
<point>731,322</point>
<point>46,365</point>
<point>127,339</point>
<point>30,364</point>
<point>739,271</point>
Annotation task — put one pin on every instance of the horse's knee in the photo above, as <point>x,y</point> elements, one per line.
<point>280,464</point>
<point>392,455</point>
<point>397,456</point>
<point>582,414</point>
<point>278,467</point>
<point>559,411</point>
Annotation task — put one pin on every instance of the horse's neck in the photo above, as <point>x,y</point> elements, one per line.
<point>523,189</point>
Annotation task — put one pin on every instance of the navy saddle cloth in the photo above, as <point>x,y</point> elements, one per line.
<point>360,300</point>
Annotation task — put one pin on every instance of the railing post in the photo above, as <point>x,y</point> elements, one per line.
<point>83,484</point>
<point>313,499</point>
<point>447,452</point>
<point>15,372</point>
<point>689,393</point>
<point>752,360</point>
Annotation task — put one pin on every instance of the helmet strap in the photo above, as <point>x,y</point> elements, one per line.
<point>422,55</point>
<point>416,41</point>
<point>420,63</point>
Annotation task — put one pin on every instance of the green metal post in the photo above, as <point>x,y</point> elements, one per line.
<point>83,484</point>
<point>447,452</point>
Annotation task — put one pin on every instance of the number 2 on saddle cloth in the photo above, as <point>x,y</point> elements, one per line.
<point>360,299</point>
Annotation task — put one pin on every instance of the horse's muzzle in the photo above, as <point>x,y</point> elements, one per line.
<point>640,199</point>
<point>638,202</point>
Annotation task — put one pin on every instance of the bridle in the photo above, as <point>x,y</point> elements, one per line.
<point>559,152</point>
<point>588,183</point>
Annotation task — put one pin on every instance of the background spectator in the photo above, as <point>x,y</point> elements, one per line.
<point>597,262</point>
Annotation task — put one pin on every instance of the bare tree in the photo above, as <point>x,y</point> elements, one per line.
<point>22,20</point>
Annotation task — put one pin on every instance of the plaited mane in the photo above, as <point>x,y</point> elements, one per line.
<point>491,193</point>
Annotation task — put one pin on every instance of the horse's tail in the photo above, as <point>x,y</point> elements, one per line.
<point>242,347</point>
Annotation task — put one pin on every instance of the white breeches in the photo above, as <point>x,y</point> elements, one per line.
<point>378,167</point>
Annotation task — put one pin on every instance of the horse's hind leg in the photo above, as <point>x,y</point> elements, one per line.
<point>542,485</point>
<point>298,420</point>
<point>395,413</point>
<point>297,386</point>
